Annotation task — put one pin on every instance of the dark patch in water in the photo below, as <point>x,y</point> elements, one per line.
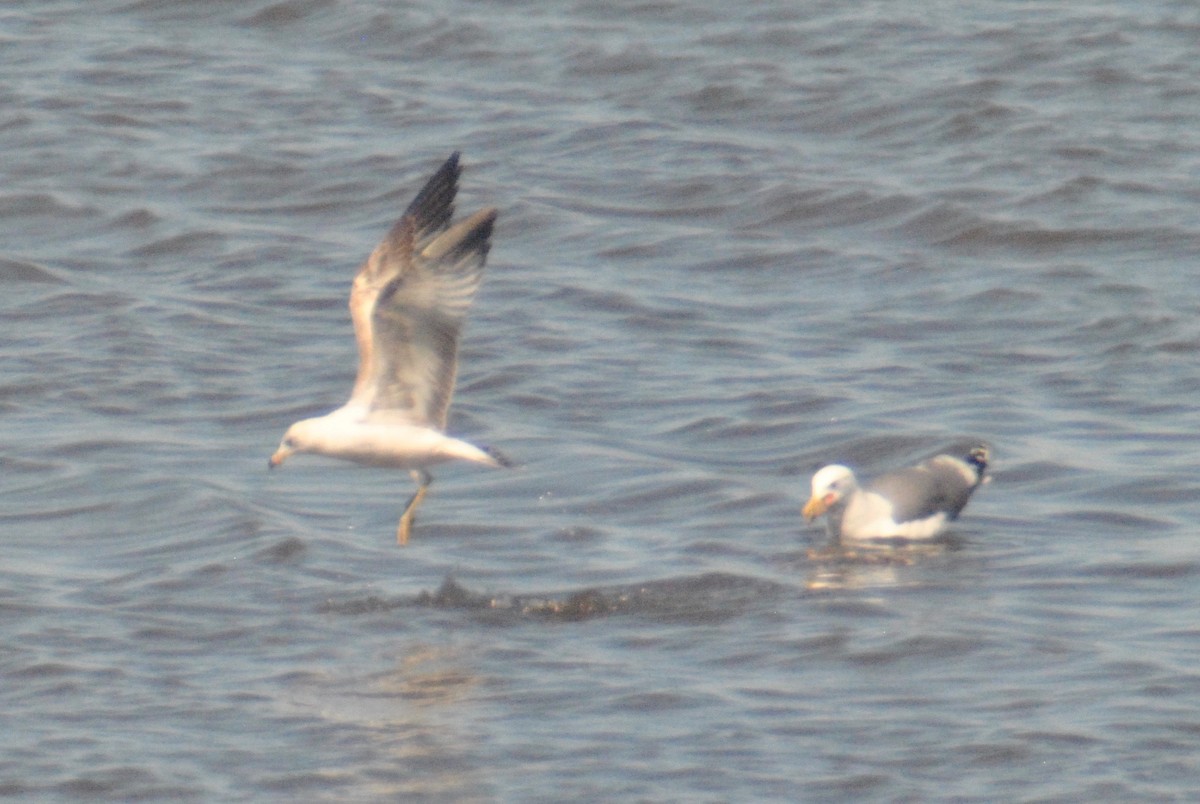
<point>1145,571</point>
<point>709,598</point>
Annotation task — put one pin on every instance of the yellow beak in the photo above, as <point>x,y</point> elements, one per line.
<point>277,458</point>
<point>814,508</point>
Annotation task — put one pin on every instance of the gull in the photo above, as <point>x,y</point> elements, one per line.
<point>408,303</point>
<point>911,503</point>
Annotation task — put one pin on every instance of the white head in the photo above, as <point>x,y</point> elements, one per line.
<point>830,486</point>
<point>300,437</point>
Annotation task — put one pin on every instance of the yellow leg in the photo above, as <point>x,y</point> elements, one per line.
<point>410,511</point>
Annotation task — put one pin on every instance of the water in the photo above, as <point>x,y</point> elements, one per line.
<point>735,244</point>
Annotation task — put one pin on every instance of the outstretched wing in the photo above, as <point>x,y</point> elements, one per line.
<point>409,302</point>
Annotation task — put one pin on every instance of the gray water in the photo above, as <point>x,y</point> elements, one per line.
<point>736,242</point>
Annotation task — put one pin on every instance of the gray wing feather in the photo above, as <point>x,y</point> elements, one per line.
<point>410,301</point>
<point>924,490</point>
<point>418,317</point>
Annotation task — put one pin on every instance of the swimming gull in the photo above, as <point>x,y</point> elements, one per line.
<point>911,503</point>
<point>408,303</point>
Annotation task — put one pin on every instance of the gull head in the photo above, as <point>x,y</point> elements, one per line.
<point>830,486</point>
<point>298,438</point>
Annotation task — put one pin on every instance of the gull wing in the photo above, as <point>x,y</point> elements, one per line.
<point>409,301</point>
<point>941,484</point>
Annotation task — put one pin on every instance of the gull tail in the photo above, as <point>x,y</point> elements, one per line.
<point>978,459</point>
<point>457,448</point>
<point>498,457</point>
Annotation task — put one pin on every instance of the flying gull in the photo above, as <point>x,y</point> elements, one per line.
<point>911,503</point>
<point>408,303</point>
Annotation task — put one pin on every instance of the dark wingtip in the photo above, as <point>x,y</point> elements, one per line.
<point>478,239</point>
<point>434,204</point>
<point>978,457</point>
<point>451,164</point>
<point>450,167</point>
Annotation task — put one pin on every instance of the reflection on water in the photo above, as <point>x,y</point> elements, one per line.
<point>410,712</point>
<point>864,566</point>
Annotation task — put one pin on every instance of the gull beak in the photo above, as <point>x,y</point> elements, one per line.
<point>278,458</point>
<point>814,508</point>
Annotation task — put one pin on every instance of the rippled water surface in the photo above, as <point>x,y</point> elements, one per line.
<point>736,243</point>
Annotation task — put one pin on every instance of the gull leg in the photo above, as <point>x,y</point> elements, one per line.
<point>422,479</point>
